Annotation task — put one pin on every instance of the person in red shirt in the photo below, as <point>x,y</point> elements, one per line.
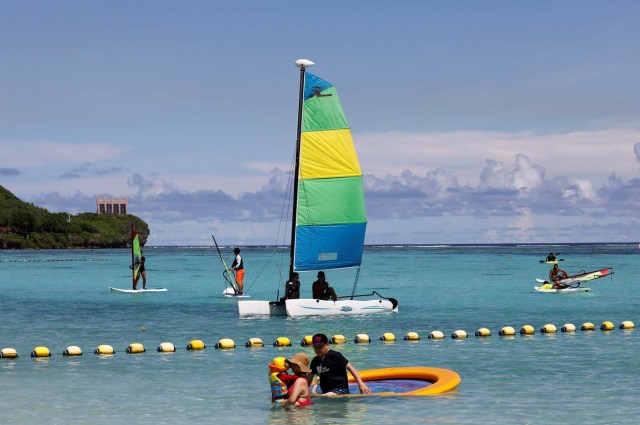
<point>296,384</point>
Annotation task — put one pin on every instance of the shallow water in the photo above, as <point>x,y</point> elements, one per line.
<point>569,378</point>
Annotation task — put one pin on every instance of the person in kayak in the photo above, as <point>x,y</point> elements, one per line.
<point>556,274</point>
<point>551,257</point>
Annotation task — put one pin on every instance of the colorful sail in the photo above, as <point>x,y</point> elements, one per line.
<point>331,218</point>
<point>136,254</point>
<point>586,276</point>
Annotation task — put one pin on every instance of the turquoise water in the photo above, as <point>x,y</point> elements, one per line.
<point>584,377</point>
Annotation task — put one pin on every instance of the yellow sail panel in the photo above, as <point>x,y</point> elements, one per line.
<point>327,154</point>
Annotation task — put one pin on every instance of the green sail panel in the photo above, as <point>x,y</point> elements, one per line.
<point>136,254</point>
<point>331,201</point>
<point>323,112</point>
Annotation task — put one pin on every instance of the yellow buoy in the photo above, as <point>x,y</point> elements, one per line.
<point>41,352</point>
<point>549,328</point>
<point>307,340</point>
<point>282,341</point>
<point>362,339</point>
<point>136,348</point>
<point>166,347</point>
<point>8,353</point>
<point>254,342</point>
<point>627,324</point>
<point>568,327</point>
<point>527,330</point>
<point>196,344</point>
<point>104,349</point>
<point>225,343</point>
<point>338,339</point>
<point>483,332</point>
<point>436,335</point>
<point>606,326</point>
<point>587,326</point>
<point>388,337</point>
<point>507,331</point>
<point>72,350</point>
<point>412,336</point>
<point>459,334</point>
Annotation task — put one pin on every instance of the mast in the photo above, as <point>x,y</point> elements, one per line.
<point>303,64</point>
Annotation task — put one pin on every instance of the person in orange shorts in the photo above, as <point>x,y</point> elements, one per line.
<point>238,269</point>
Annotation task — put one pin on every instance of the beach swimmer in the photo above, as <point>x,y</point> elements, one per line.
<point>290,389</point>
<point>331,366</point>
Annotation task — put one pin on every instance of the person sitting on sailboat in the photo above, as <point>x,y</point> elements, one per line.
<point>321,289</point>
<point>293,287</point>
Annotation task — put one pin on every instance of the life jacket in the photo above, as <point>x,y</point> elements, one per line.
<point>278,388</point>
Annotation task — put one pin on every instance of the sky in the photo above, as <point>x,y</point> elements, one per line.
<point>474,121</point>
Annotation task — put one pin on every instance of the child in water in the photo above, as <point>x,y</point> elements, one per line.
<point>290,389</point>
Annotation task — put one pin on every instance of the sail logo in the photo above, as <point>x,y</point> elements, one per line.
<point>346,309</point>
<point>317,92</point>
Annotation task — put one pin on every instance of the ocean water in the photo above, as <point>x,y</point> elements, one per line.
<point>61,298</point>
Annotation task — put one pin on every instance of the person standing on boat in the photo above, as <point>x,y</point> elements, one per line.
<point>556,274</point>
<point>141,272</point>
<point>293,287</point>
<point>321,289</point>
<point>238,269</point>
<point>331,366</point>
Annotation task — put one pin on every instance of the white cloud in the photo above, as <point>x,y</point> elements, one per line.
<point>588,154</point>
<point>28,154</point>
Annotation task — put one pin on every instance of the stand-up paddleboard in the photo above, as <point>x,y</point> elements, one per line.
<point>137,291</point>
<point>231,293</point>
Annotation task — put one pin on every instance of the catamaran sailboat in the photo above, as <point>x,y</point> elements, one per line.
<point>329,219</point>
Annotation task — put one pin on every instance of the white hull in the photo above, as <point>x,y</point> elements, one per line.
<point>311,307</point>
<point>260,308</point>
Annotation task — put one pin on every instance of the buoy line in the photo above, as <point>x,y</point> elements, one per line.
<point>227,343</point>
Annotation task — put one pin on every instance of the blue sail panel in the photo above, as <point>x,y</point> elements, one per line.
<point>314,85</point>
<point>329,247</point>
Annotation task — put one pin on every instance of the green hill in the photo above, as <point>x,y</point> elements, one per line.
<point>25,226</point>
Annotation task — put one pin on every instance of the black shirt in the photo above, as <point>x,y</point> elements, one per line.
<point>332,370</point>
